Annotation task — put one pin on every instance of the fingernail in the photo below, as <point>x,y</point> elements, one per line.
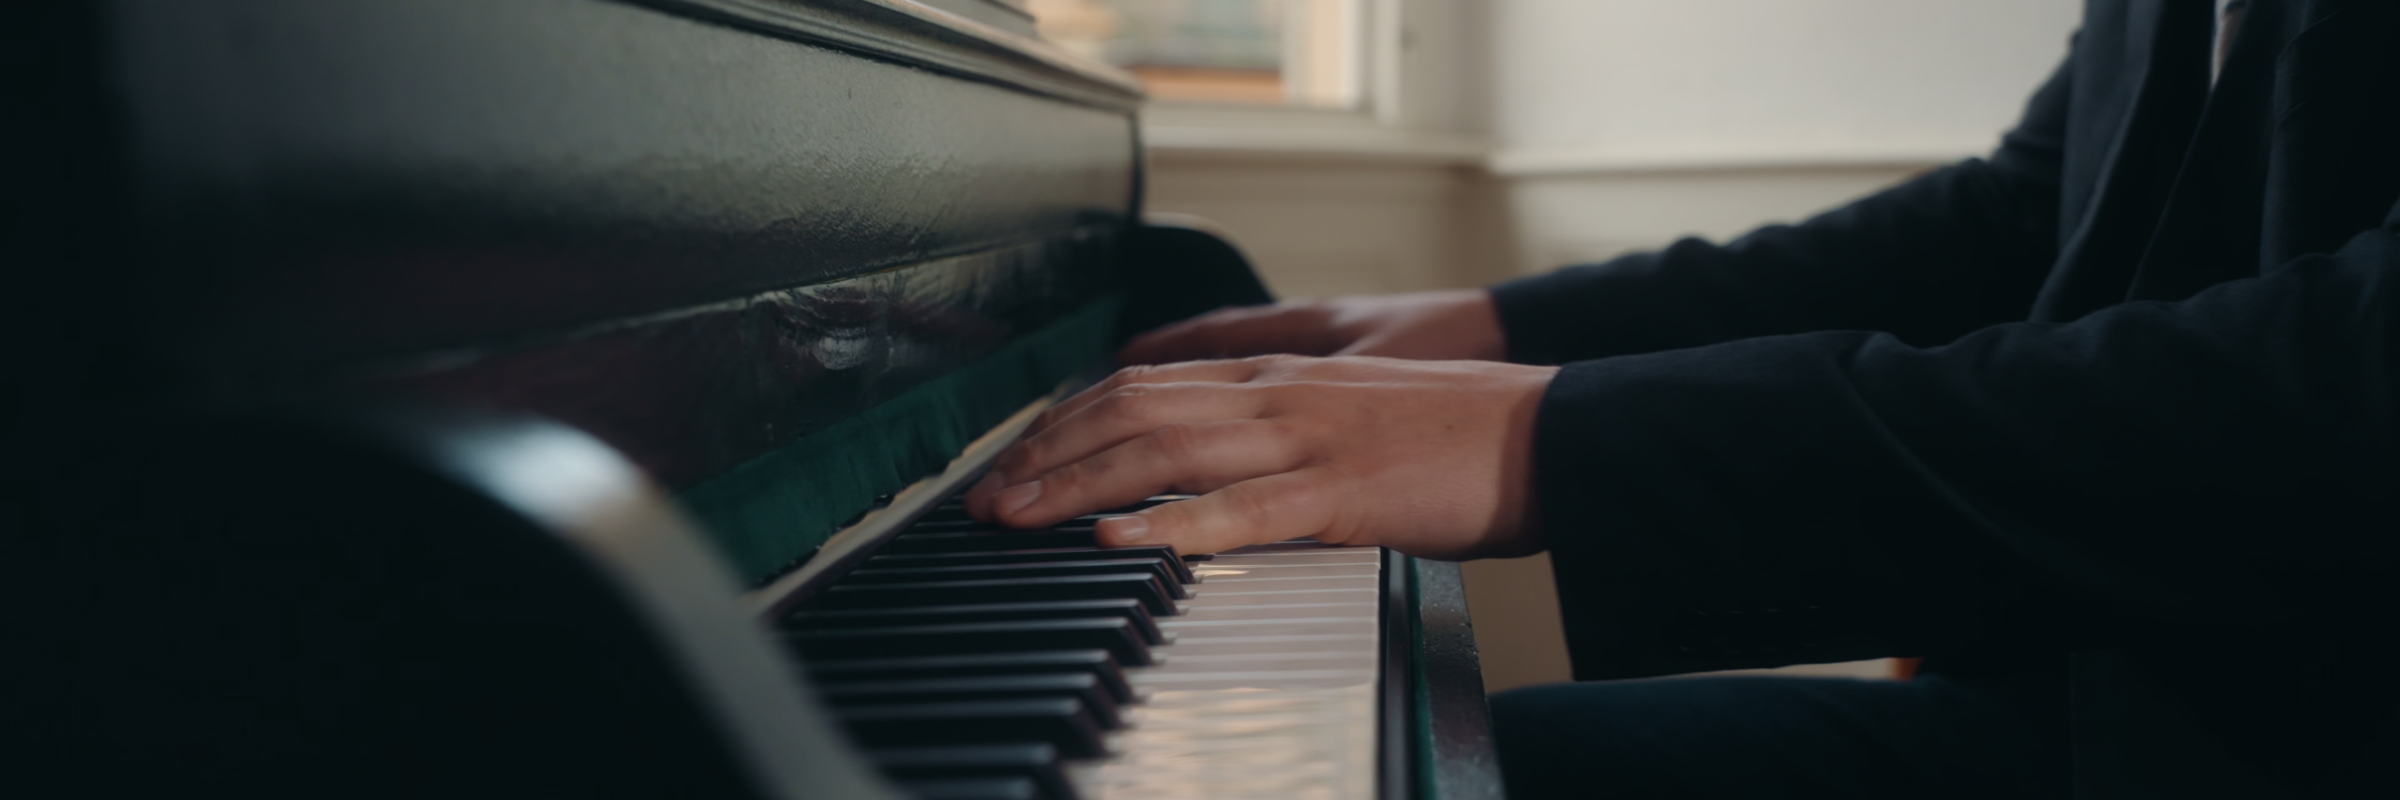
<point>1009,500</point>
<point>1128,529</point>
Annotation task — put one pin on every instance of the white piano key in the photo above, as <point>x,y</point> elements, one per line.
<point>1269,690</point>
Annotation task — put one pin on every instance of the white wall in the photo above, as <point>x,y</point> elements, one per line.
<point>1621,124</point>
<point>1740,76</point>
<point>1323,228</point>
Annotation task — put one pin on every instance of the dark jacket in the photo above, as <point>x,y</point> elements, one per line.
<point>2118,407</point>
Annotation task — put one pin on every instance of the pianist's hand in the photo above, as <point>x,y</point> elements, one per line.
<point>1456,324</point>
<point>1432,458</point>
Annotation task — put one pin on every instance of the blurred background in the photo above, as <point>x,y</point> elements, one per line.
<point>1363,146</point>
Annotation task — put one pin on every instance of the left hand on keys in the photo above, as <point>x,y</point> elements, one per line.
<point>1433,458</point>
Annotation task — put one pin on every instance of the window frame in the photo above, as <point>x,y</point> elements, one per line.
<point>1417,72</point>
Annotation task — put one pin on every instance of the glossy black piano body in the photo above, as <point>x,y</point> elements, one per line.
<point>389,270</point>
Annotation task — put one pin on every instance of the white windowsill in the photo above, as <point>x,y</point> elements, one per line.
<point>1178,142</point>
<point>1187,131</point>
<point>1196,131</point>
<point>1730,157</point>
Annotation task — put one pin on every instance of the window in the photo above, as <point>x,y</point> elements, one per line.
<point>1302,53</point>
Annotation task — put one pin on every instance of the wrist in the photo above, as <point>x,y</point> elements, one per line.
<point>1479,321</point>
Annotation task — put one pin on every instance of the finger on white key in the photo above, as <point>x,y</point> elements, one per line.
<point>1177,458</point>
<point>1122,415</point>
<point>1287,505</point>
<point>1138,392</point>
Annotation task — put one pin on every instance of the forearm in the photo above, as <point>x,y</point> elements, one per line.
<point>1948,252</point>
<point>2229,456</point>
<point>1955,250</point>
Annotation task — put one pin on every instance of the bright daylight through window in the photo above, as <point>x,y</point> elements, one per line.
<point>1258,52</point>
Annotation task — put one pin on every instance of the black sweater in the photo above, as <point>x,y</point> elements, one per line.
<point>2122,400</point>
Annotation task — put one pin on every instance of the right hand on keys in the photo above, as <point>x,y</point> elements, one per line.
<point>1448,325</point>
<point>1433,458</point>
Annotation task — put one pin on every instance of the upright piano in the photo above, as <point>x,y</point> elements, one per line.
<point>567,397</point>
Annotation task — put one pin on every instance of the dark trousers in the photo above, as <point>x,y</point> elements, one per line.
<point>1758,737</point>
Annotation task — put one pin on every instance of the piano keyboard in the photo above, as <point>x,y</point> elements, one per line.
<point>973,662</point>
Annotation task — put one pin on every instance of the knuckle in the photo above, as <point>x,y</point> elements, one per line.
<point>1300,408</point>
<point>1315,490</point>
<point>1009,466</point>
<point>1067,480</point>
<point>1134,403</point>
<point>1025,454</point>
<point>1286,430</point>
<point>1307,488</point>
<point>1250,507</point>
<point>1176,444</point>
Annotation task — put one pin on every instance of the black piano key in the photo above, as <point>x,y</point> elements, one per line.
<point>952,542</point>
<point>1129,609</point>
<point>1063,722</point>
<point>1165,553</point>
<point>1139,586</point>
<point>1079,685</point>
<point>1112,634</point>
<point>1097,663</point>
<point>1155,567</point>
<point>1033,761</point>
<point>972,789</point>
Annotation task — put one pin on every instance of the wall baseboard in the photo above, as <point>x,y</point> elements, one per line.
<point>1728,157</point>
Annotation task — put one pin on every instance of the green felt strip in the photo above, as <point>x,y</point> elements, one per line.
<point>772,511</point>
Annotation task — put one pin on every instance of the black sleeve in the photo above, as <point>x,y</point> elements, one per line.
<point>1949,252</point>
<point>2229,459</point>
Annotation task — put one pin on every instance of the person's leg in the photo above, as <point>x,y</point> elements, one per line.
<point>1757,736</point>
